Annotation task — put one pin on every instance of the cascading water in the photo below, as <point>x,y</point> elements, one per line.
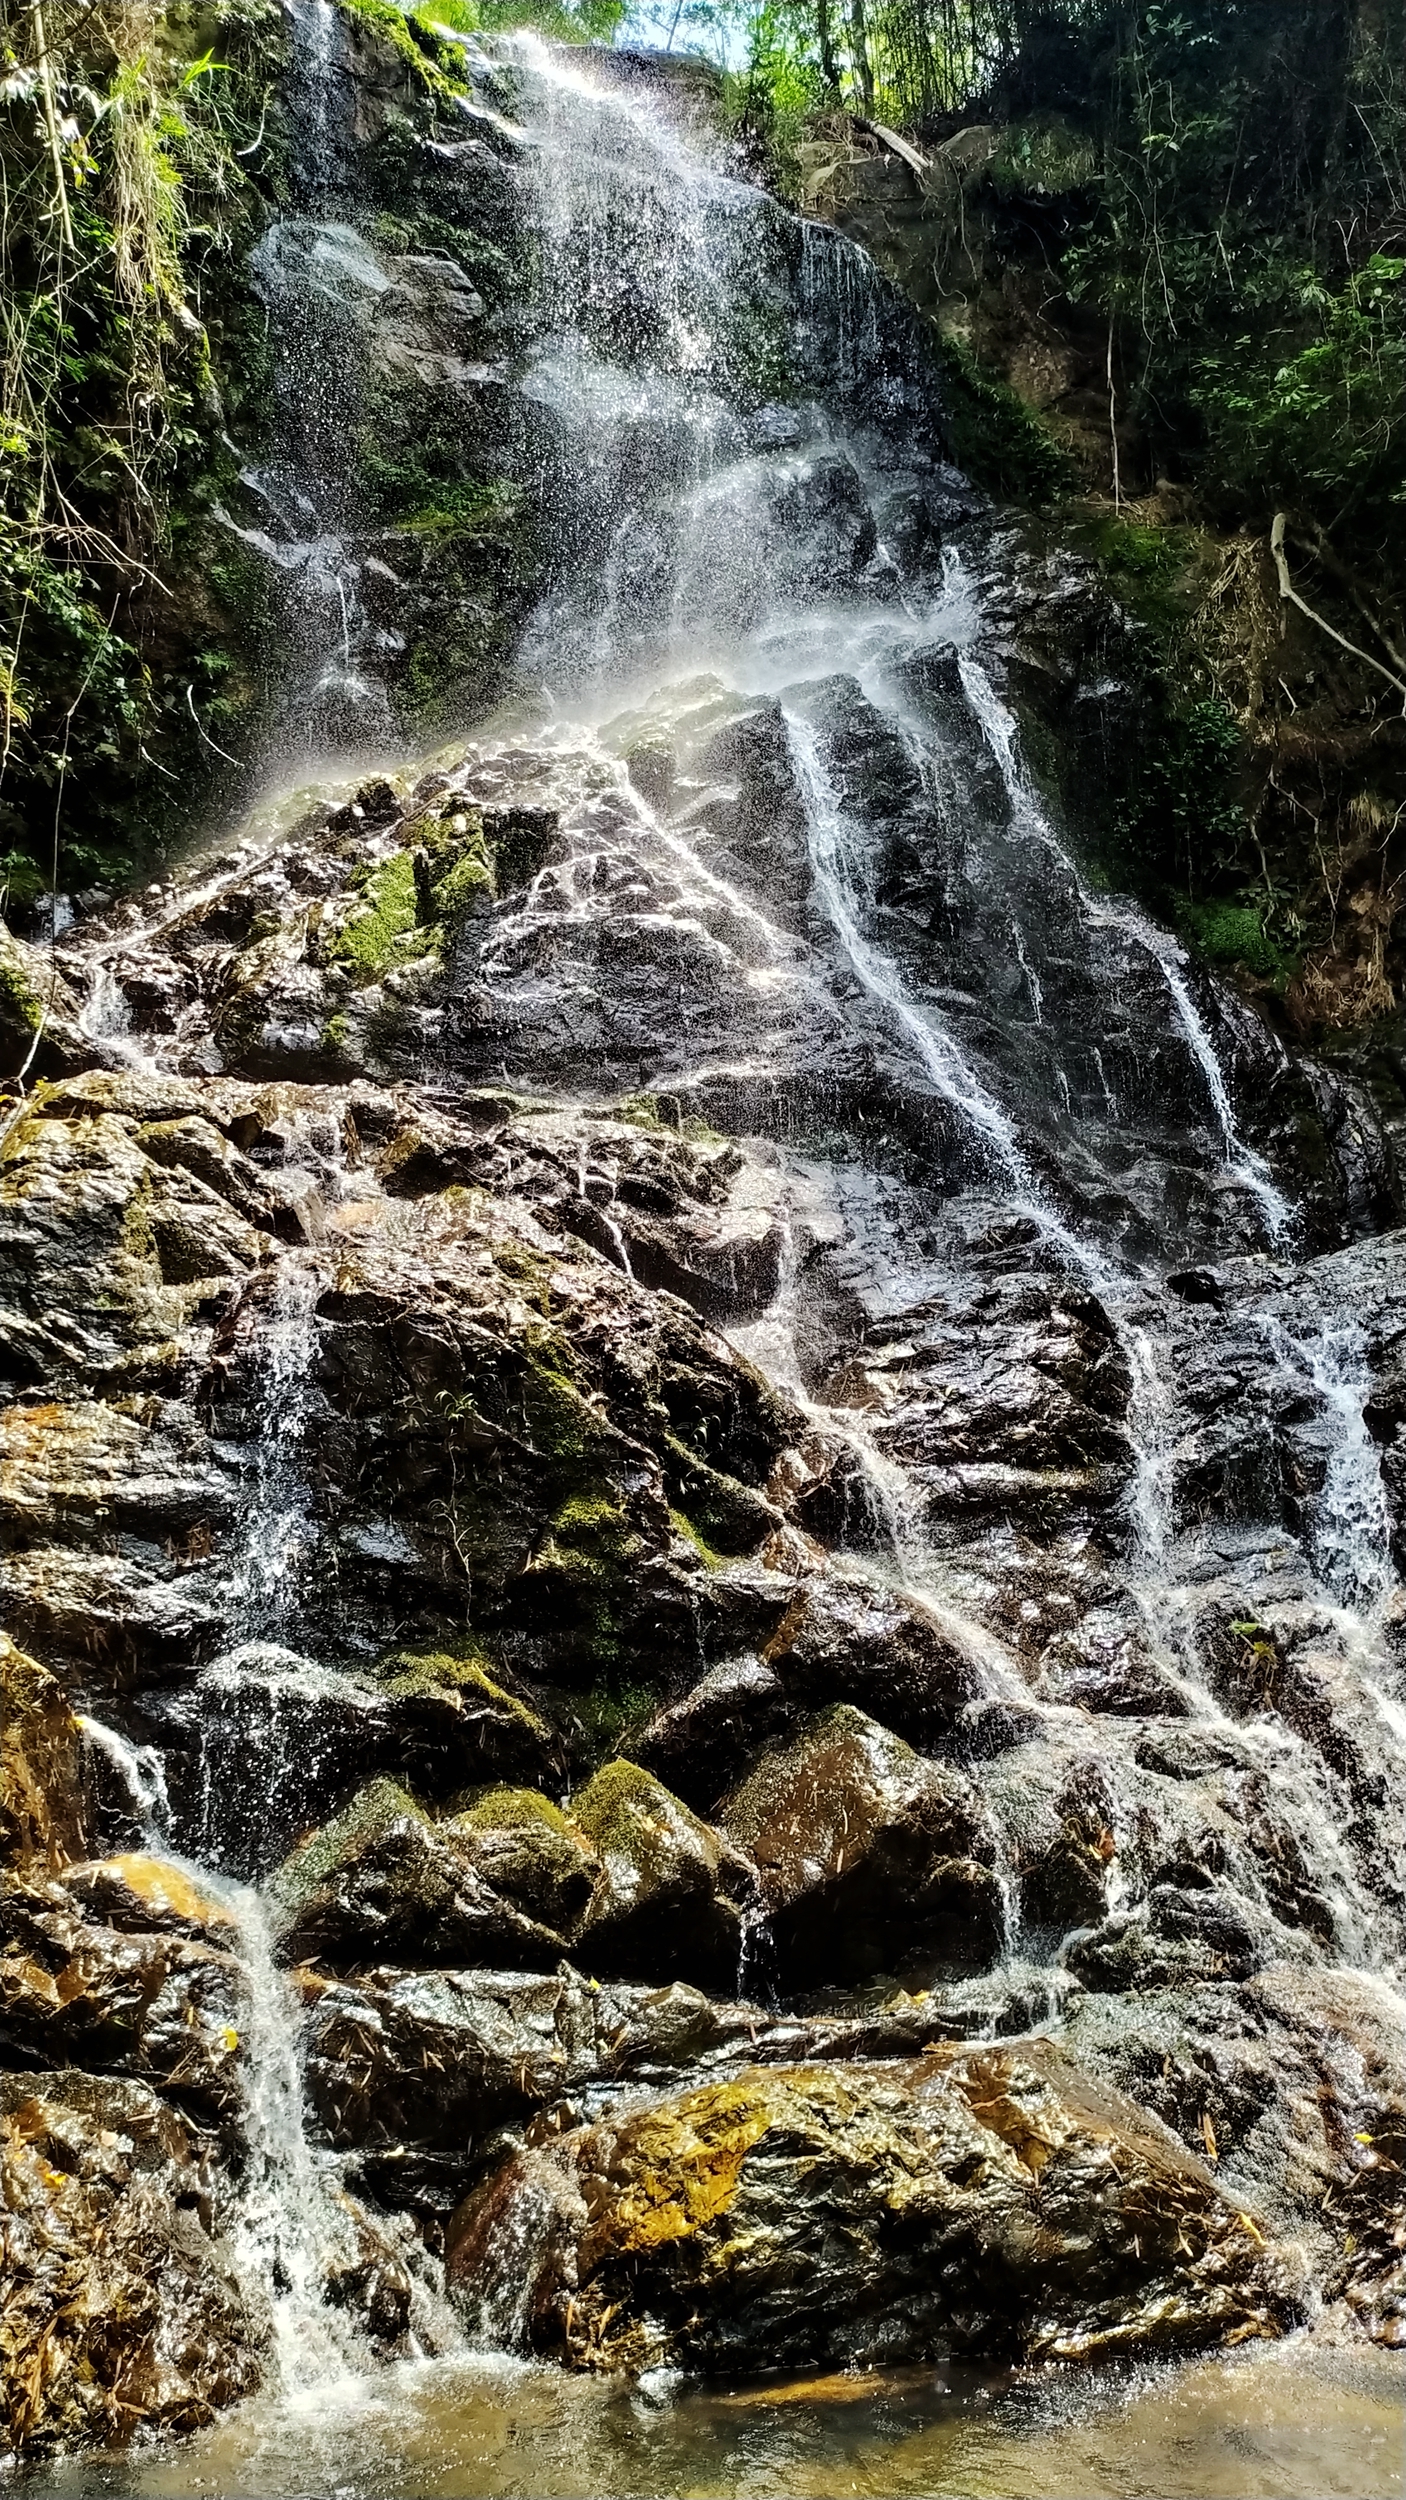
<point>731,552</point>
<point>320,284</point>
<point>276,1547</point>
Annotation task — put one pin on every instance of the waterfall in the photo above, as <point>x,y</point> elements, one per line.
<point>278,1536</point>
<point>999,1109</point>
<point>293,2229</point>
<point>1348,1521</point>
<point>320,283</point>
<point>715,542</point>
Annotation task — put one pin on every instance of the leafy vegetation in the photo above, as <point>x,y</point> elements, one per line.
<point>996,438</point>
<point>123,201</point>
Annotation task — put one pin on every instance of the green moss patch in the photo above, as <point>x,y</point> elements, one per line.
<point>995,437</point>
<point>372,1813</point>
<point>412,1675</point>
<point>1234,933</point>
<point>629,1814</point>
<point>373,939</point>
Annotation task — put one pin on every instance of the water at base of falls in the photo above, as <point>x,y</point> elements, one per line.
<point>1292,2423</point>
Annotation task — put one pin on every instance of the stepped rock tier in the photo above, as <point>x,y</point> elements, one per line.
<point>703,1467</point>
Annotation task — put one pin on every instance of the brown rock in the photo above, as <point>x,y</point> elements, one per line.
<point>119,2315</point>
<point>869,1856</point>
<point>41,1781</point>
<point>155,2004</point>
<point>989,2202</point>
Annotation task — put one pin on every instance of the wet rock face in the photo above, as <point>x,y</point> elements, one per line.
<point>94,1975</point>
<point>1295,2085</point>
<point>41,1769</point>
<point>869,1856</point>
<point>392,1467</point>
<point>383,1879</point>
<point>119,2306</point>
<point>588,1406</point>
<point>988,2201</point>
<point>672,1894</point>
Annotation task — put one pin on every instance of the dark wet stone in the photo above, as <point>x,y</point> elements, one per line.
<point>384,1880</point>
<point>153,2002</point>
<point>532,1853</point>
<point>990,2202</point>
<point>699,1744</point>
<point>673,1892</point>
<point>868,1855</point>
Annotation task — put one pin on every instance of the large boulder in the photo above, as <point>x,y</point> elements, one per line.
<point>869,1856</point>
<point>154,1998</point>
<point>673,1893</point>
<point>381,1879</point>
<point>532,1853</point>
<point>986,2202</point>
<point>701,1743</point>
<point>439,2059</point>
<point>120,2313</point>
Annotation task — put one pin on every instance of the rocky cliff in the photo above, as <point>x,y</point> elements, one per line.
<point>702,1475</point>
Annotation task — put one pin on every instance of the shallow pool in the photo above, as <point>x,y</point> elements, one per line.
<point>1288,2422</point>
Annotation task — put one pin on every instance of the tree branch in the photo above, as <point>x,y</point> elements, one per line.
<point>1288,594</point>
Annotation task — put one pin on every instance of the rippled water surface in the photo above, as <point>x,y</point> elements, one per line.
<point>1290,2423</point>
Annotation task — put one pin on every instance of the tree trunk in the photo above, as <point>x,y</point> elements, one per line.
<point>830,67</point>
<point>859,36</point>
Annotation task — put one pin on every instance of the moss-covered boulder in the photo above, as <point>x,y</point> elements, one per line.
<point>673,1892</point>
<point>987,2202</point>
<point>41,1773</point>
<point>455,1725</point>
<point>120,2312</point>
<point>532,1853</point>
<point>870,1857</point>
<point>381,1882</point>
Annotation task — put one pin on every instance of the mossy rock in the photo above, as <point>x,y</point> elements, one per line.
<point>382,1882</point>
<point>455,1723</point>
<point>531,1852</point>
<point>672,1893</point>
<point>38,1013</point>
<point>991,2201</point>
<point>378,935</point>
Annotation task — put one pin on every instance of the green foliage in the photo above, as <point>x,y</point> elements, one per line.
<point>768,103</point>
<point>995,437</point>
<point>122,199</point>
<point>1181,818</point>
<point>592,21</point>
<point>1227,933</point>
<point>1318,421</point>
